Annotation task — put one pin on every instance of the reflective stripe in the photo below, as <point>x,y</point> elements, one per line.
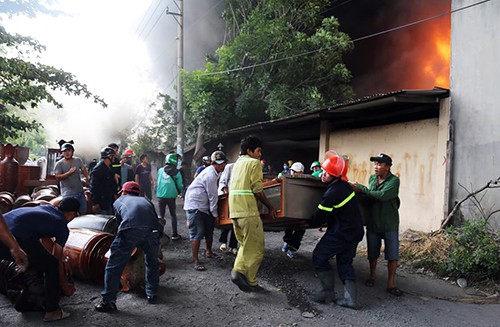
<point>341,204</point>
<point>240,192</point>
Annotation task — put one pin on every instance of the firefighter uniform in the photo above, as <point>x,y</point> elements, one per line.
<point>339,209</point>
<point>246,180</point>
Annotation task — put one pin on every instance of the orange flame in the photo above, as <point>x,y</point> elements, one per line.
<point>437,66</point>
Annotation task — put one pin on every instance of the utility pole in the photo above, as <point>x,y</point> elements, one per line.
<point>179,18</point>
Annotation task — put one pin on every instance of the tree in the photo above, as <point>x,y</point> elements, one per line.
<point>34,139</point>
<point>282,58</point>
<point>158,133</point>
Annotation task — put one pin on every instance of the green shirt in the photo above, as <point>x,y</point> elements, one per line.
<point>384,215</point>
<point>317,173</point>
<point>168,187</point>
<point>246,180</point>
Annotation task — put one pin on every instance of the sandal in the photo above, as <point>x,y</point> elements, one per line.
<point>199,267</point>
<point>63,315</point>
<point>370,282</point>
<point>210,255</point>
<point>394,291</point>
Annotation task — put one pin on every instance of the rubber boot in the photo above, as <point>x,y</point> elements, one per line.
<point>327,292</point>
<point>349,299</point>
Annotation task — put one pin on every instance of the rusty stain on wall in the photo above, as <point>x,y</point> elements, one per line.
<point>422,180</point>
<point>358,172</point>
<point>432,159</point>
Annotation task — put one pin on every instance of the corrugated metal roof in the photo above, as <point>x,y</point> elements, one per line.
<point>402,98</point>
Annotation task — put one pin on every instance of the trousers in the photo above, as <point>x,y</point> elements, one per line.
<point>249,232</point>
<point>344,251</point>
<point>121,249</point>
<point>162,204</point>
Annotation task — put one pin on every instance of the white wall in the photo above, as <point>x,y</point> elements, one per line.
<point>475,104</point>
<point>418,150</point>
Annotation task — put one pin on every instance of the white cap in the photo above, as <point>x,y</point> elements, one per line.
<point>297,167</point>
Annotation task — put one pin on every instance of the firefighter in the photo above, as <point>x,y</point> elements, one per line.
<point>339,209</point>
<point>102,184</point>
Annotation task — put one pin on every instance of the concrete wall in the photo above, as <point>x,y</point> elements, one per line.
<point>475,105</point>
<point>418,150</point>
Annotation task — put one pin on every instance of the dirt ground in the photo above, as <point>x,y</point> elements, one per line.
<point>191,298</point>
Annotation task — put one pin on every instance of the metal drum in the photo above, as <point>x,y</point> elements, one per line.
<point>46,194</point>
<point>86,250</point>
<point>103,223</point>
<point>6,202</point>
<point>21,200</point>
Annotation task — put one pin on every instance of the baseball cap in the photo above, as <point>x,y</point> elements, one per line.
<point>69,204</point>
<point>382,158</point>
<point>218,157</point>
<point>131,187</point>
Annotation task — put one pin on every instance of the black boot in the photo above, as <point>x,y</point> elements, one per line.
<point>326,294</point>
<point>349,299</point>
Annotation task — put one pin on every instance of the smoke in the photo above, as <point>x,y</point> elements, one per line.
<point>203,34</point>
<point>399,59</point>
<point>125,51</point>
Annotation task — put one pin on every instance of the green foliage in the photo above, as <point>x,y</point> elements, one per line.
<point>159,134</point>
<point>29,8</point>
<point>34,139</point>
<point>283,58</point>
<point>475,253</point>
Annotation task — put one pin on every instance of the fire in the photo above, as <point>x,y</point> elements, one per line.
<point>437,66</point>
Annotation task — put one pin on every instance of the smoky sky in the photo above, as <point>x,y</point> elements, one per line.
<point>379,64</point>
<point>388,62</point>
<point>203,34</point>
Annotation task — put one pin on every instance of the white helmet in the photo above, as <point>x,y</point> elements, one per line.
<point>297,167</point>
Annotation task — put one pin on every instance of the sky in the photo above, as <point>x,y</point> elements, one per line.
<point>125,51</point>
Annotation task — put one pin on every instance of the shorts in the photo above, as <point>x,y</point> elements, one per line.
<point>200,224</point>
<point>391,245</point>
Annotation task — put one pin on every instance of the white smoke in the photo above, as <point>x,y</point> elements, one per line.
<point>125,51</point>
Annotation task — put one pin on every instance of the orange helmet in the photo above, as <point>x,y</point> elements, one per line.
<point>127,153</point>
<point>336,166</point>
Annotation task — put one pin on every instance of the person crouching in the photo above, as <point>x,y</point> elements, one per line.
<point>139,226</point>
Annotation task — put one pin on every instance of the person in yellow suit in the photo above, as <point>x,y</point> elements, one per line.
<point>244,191</point>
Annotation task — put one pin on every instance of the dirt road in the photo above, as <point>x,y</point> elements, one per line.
<point>191,298</point>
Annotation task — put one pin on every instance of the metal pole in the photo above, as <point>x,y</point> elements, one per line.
<point>179,17</point>
<point>180,64</point>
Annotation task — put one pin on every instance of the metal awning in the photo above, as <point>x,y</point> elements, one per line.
<point>387,108</point>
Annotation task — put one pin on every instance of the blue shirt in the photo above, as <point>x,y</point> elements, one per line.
<point>38,222</point>
<point>134,211</point>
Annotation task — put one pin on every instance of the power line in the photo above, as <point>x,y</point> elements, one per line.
<point>156,22</point>
<point>167,48</point>
<point>150,17</point>
<point>355,40</point>
<point>144,16</point>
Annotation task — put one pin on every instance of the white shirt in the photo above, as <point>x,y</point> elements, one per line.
<point>202,193</point>
<point>225,178</point>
